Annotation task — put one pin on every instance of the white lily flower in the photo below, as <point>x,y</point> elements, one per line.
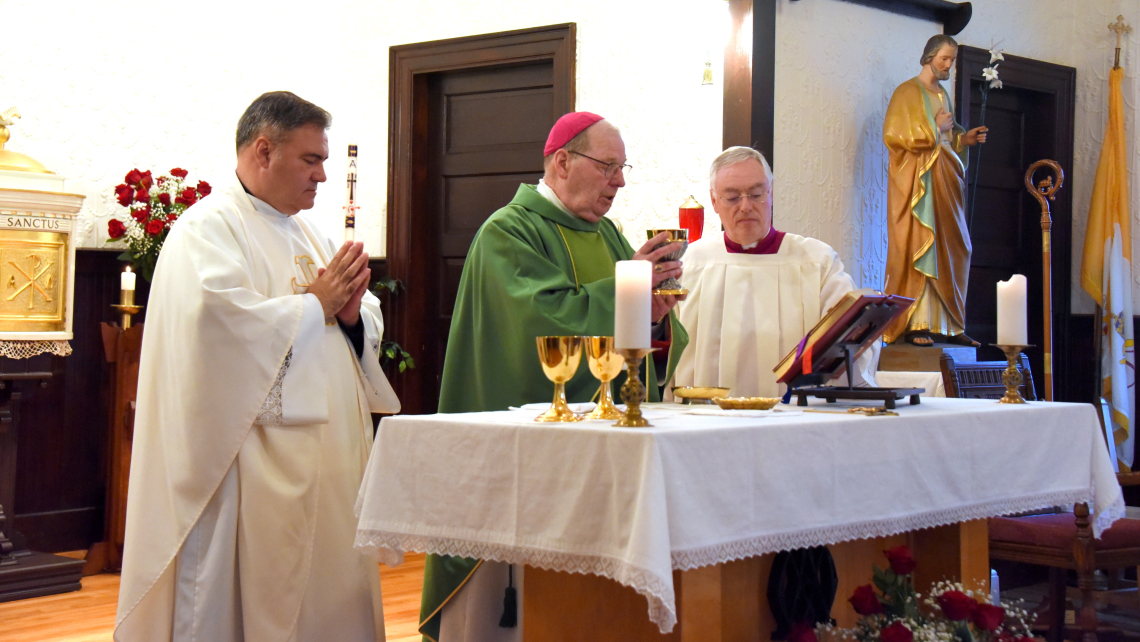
<point>995,55</point>
<point>990,73</point>
<point>995,84</point>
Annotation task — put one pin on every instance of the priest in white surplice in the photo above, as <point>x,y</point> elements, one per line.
<point>259,370</point>
<point>754,291</point>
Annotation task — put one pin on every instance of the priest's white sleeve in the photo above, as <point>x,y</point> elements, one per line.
<point>300,393</point>
<point>381,397</point>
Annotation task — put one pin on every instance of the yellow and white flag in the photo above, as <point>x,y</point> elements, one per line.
<point>1106,273</point>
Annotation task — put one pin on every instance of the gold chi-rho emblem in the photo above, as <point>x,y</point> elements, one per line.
<point>32,282</point>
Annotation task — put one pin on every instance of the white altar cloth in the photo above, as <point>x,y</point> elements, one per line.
<point>632,505</point>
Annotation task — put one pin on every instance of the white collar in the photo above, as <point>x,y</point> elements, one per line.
<point>549,194</point>
<point>258,204</point>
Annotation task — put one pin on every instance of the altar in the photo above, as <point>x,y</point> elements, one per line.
<point>703,497</point>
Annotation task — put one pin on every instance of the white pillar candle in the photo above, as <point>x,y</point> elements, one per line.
<point>127,279</point>
<point>633,285</point>
<point>1011,312</point>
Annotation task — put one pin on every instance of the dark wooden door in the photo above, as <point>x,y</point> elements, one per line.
<point>1029,118</point>
<point>486,131</point>
<point>469,120</point>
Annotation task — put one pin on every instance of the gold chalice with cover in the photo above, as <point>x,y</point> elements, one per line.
<point>605,365</point>
<point>559,357</point>
<point>671,285</point>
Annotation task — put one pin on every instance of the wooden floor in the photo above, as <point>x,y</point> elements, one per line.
<point>88,615</point>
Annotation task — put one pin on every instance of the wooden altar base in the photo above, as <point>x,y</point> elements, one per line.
<point>39,574</point>
<point>727,602</point>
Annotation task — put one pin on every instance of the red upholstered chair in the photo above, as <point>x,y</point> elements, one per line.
<point>1061,541</point>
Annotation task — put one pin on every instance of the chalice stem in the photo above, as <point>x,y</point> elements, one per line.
<point>560,396</point>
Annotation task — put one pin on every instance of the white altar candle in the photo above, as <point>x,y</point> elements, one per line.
<point>1011,312</point>
<point>127,279</point>
<point>633,285</point>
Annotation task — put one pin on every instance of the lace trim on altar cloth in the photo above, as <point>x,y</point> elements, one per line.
<point>684,560</point>
<point>389,549</point>
<point>270,413</point>
<point>29,349</point>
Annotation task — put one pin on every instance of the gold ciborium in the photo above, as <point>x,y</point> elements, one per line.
<point>671,285</point>
<point>605,365</point>
<point>559,357</point>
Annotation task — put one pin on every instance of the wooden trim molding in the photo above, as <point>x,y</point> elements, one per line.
<point>737,114</point>
<point>954,16</point>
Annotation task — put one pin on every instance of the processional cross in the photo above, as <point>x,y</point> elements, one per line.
<point>1120,29</point>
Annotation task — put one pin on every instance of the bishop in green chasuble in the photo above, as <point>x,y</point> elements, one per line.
<point>537,267</point>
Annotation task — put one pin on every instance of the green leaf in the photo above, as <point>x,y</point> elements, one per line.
<point>410,362</point>
<point>390,353</point>
<point>403,366</point>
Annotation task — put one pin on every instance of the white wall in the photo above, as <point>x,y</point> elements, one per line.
<point>835,74</point>
<point>837,64</point>
<point>107,88</point>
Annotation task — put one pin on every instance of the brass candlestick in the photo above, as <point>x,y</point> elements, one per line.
<point>127,306</point>
<point>1012,376</point>
<point>632,391</point>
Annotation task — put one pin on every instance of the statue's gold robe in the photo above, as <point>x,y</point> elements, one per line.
<point>928,257</point>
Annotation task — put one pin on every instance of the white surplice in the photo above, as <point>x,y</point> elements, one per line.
<point>252,431</point>
<point>744,312</point>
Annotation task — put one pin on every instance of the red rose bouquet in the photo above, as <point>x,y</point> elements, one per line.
<point>898,613</point>
<point>153,206</point>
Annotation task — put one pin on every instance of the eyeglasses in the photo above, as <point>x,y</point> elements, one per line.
<point>756,198</point>
<point>610,167</point>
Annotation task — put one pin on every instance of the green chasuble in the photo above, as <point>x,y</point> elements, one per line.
<point>532,270</point>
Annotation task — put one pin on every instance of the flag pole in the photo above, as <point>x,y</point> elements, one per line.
<point>1044,191</point>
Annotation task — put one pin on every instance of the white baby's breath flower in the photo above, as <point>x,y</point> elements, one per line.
<point>995,84</point>
<point>990,73</point>
<point>995,55</point>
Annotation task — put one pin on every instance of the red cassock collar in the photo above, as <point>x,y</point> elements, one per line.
<point>769,245</point>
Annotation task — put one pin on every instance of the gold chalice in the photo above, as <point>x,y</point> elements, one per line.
<point>671,285</point>
<point>605,364</point>
<point>559,357</point>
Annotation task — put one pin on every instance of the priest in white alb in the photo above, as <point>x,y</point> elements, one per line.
<point>754,291</point>
<point>259,371</point>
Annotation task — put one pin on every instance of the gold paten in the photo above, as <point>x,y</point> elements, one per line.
<point>605,364</point>
<point>559,357</point>
<point>33,281</point>
<point>747,403</point>
<point>699,394</point>
<point>671,285</point>
<point>632,391</point>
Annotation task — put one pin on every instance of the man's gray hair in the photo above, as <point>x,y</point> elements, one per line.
<point>934,45</point>
<point>734,155</point>
<point>277,113</point>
